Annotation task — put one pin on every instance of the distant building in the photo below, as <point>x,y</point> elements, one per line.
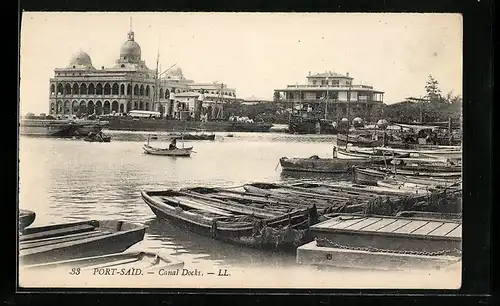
<point>80,88</point>
<point>332,95</point>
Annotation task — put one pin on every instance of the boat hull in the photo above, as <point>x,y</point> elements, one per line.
<point>59,128</point>
<point>182,152</point>
<point>163,125</point>
<point>293,225</point>
<point>76,240</point>
<point>26,218</point>
<point>324,165</point>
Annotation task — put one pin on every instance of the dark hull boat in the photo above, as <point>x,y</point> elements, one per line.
<point>94,139</point>
<point>326,165</point>
<point>26,218</point>
<point>193,136</point>
<point>372,176</point>
<point>227,221</point>
<point>311,126</point>
<point>76,240</point>
<point>164,125</point>
<point>130,261</point>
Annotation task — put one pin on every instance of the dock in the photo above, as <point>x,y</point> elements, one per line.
<point>383,242</point>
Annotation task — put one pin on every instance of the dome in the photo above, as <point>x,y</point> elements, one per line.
<point>344,120</point>
<point>357,122</point>
<point>382,123</point>
<point>130,47</point>
<point>80,59</point>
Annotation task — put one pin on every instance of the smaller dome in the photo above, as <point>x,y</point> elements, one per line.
<point>357,122</point>
<point>80,59</point>
<point>382,124</point>
<point>344,120</point>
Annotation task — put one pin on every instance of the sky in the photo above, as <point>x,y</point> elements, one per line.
<point>254,53</point>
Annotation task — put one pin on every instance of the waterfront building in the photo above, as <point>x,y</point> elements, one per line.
<point>332,96</point>
<point>81,89</point>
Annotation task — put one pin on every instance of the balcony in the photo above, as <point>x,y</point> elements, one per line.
<point>329,86</point>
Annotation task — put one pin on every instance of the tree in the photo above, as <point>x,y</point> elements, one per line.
<point>432,89</point>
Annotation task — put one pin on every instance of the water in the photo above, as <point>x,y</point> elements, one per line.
<point>66,180</point>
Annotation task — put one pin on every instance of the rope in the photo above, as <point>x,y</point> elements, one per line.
<point>324,241</point>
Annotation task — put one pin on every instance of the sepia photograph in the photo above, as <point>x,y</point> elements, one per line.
<point>240,150</point>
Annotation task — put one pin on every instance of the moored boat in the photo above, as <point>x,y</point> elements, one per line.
<point>26,218</point>
<point>181,152</point>
<point>59,127</point>
<point>326,165</point>
<point>128,261</point>
<point>231,223</point>
<point>77,239</point>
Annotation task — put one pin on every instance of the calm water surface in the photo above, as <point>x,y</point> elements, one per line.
<point>65,180</point>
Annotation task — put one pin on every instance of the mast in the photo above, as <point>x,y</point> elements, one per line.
<point>326,99</point>
<point>348,102</point>
<point>157,78</point>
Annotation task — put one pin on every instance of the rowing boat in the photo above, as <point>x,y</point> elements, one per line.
<point>232,223</point>
<point>26,218</point>
<point>326,165</point>
<point>77,239</point>
<point>185,152</point>
<point>129,261</point>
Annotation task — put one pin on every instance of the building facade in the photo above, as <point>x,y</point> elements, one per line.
<point>332,96</point>
<point>81,89</point>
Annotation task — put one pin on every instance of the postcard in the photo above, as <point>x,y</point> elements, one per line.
<point>240,150</point>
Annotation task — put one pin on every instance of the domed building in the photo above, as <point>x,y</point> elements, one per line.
<point>80,89</point>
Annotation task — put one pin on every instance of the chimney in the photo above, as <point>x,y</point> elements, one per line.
<point>309,73</point>
<point>347,74</point>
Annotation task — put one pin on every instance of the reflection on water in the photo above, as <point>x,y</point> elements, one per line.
<point>66,180</point>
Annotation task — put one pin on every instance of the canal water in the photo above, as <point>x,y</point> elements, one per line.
<point>66,180</point>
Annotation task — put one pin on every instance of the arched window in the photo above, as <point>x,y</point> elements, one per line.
<point>60,89</point>
<point>161,93</point>
<point>83,89</point>
<point>122,89</point>
<point>75,89</point>
<point>98,89</point>
<point>167,94</point>
<point>141,91</point>
<point>67,89</point>
<point>129,89</point>
<point>107,89</point>
<point>91,89</point>
<point>114,90</point>
<point>114,106</point>
<point>52,89</point>
<point>147,91</point>
<point>136,90</point>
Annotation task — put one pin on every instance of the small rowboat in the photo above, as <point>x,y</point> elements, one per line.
<point>186,152</point>
<point>231,222</point>
<point>77,239</point>
<point>130,261</point>
<point>26,218</point>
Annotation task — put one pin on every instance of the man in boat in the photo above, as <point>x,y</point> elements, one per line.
<point>173,144</point>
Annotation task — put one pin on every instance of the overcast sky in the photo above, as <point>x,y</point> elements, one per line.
<point>253,53</point>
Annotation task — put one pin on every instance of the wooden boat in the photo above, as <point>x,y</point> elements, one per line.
<point>231,223</point>
<point>193,136</point>
<point>404,185</point>
<point>125,262</point>
<point>358,140</point>
<point>328,189</point>
<point>452,153</point>
<point>185,152</point>
<point>422,172</point>
<point>26,218</point>
<point>78,239</point>
<point>382,242</point>
<point>96,139</point>
<point>371,176</point>
<point>326,165</point>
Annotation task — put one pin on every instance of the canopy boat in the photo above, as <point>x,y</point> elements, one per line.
<point>232,223</point>
<point>168,152</point>
<point>76,240</point>
<point>26,218</point>
<point>327,165</point>
<point>128,260</point>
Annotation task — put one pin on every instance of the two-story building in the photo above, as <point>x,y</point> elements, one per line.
<point>331,96</point>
